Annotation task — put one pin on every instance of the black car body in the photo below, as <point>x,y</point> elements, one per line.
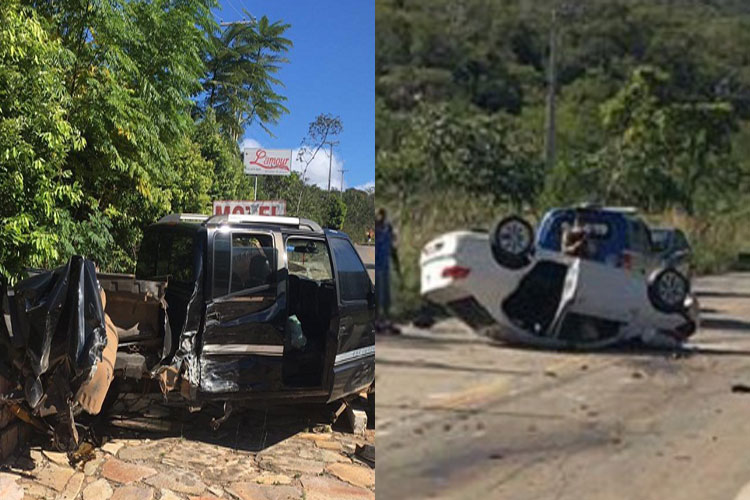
<point>221,308</point>
<point>233,282</point>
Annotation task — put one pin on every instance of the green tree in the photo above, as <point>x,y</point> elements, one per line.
<point>335,213</point>
<point>670,152</point>
<point>242,62</point>
<point>36,136</point>
<point>132,70</point>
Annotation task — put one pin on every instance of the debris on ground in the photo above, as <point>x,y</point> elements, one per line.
<point>366,453</point>
<point>254,454</point>
<point>741,388</point>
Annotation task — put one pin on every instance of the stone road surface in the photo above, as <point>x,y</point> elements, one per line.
<point>460,418</point>
<point>164,452</point>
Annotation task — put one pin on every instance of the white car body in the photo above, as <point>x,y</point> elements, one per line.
<point>458,270</point>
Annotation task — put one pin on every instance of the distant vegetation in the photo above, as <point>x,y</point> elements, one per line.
<point>114,113</point>
<point>653,110</point>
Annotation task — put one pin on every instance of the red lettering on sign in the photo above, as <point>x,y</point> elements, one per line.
<point>262,161</point>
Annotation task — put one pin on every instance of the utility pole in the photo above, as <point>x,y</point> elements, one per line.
<point>549,126</point>
<point>330,161</point>
<point>342,180</point>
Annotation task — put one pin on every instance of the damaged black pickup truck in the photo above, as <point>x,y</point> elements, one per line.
<point>221,308</point>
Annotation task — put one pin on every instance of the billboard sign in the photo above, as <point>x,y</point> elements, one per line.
<point>260,161</point>
<point>240,207</point>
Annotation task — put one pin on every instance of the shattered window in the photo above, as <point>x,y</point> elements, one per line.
<point>309,259</point>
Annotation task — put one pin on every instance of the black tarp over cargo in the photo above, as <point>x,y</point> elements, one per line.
<point>56,337</point>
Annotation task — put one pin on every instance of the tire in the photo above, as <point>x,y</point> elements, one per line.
<point>667,290</point>
<point>512,240</point>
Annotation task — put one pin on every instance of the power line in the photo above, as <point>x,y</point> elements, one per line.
<point>229,2</point>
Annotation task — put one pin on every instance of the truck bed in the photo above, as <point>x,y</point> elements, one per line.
<point>139,312</point>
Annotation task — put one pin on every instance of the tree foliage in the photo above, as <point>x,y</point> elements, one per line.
<point>114,113</point>
<point>649,112</point>
<point>242,61</point>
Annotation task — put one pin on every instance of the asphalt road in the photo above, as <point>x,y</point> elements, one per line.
<point>459,418</point>
<point>367,254</point>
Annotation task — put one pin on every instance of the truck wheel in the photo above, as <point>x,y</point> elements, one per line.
<point>668,290</point>
<point>512,240</point>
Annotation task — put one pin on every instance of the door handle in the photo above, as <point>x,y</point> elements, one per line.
<point>214,316</point>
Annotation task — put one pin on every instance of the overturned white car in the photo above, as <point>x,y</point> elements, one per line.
<point>513,286</point>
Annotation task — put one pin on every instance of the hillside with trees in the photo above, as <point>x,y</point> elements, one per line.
<point>113,114</point>
<point>652,109</point>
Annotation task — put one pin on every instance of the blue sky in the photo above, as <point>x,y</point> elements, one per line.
<point>331,69</point>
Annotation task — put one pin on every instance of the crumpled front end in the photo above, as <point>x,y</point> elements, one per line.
<point>60,351</point>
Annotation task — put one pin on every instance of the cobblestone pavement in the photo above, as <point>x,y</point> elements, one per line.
<point>157,452</point>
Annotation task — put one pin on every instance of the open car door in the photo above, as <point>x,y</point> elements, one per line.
<point>243,339</point>
<point>354,364</point>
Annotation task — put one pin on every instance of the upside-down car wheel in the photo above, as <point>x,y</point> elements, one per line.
<point>512,240</point>
<point>668,290</point>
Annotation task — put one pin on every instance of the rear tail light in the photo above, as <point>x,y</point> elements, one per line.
<point>456,272</point>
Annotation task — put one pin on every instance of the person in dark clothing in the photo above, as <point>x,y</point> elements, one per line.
<point>385,245</point>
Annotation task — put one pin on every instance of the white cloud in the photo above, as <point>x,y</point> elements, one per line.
<point>367,186</point>
<point>249,142</point>
<point>317,171</point>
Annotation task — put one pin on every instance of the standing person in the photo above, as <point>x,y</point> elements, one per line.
<point>385,241</point>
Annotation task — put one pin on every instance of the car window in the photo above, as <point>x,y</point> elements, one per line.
<point>243,262</point>
<point>354,283</point>
<point>639,237</point>
<point>166,253</point>
<point>309,259</point>
<point>660,239</point>
<point>680,240</point>
<point>252,262</point>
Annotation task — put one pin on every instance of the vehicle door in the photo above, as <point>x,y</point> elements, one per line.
<point>243,339</point>
<point>639,248</point>
<point>354,364</point>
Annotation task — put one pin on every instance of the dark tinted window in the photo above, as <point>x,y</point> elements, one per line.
<point>166,253</point>
<point>353,280</point>
<point>222,261</point>
<point>244,261</point>
<point>252,262</point>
